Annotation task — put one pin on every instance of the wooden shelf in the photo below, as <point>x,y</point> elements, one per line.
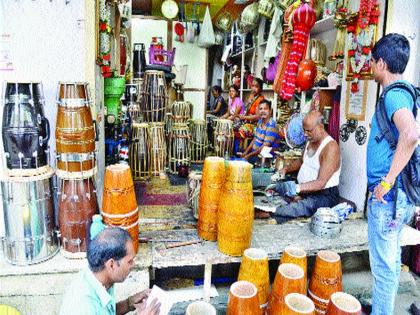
<point>323,25</point>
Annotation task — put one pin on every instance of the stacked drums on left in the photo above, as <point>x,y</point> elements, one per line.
<point>76,166</point>
<point>27,181</point>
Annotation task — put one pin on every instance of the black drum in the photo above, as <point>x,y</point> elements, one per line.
<point>25,130</point>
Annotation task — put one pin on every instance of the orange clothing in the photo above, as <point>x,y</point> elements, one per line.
<point>253,103</point>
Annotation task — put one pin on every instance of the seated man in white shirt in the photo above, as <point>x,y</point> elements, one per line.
<point>318,176</point>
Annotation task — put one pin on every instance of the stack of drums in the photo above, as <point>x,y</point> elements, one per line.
<point>199,143</point>
<point>223,137</point>
<point>76,167</point>
<point>119,204</point>
<point>179,147</point>
<point>140,151</point>
<point>158,148</point>
<point>26,185</point>
<point>181,111</point>
<point>154,96</point>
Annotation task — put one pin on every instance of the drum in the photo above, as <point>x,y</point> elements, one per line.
<point>200,308</point>
<point>210,191</point>
<point>25,129</point>
<point>343,304</point>
<point>29,215</point>
<point>84,164</point>
<point>326,279</point>
<point>181,111</point>
<point>199,143</point>
<point>76,207</point>
<point>298,304</point>
<point>243,299</point>
<point>139,153</point>
<point>158,148</point>
<point>155,96</point>
<point>236,209</point>
<point>193,191</point>
<point>131,92</point>
<point>295,255</point>
<point>73,94</point>
<point>179,147</point>
<point>223,137</point>
<point>119,204</point>
<point>168,124</point>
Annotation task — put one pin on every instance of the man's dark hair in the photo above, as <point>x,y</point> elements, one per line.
<point>111,243</point>
<point>267,102</point>
<point>259,82</point>
<point>217,88</point>
<point>394,50</point>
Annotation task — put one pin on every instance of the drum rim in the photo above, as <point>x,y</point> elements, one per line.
<point>73,83</point>
<point>4,178</point>
<point>154,72</point>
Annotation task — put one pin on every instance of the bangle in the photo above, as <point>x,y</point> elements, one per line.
<point>386,185</point>
<point>131,306</point>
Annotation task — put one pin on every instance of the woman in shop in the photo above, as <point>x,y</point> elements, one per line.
<point>236,106</point>
<point>218,108</point>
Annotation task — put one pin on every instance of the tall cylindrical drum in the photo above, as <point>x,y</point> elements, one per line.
<point>158,148</point>
<point>254,268</point>
<point>155,96</point>
<point>25,129</point>
<point>181,111</point>
<point>119,204</point>
<point>210,191</point>
<point>326,279</point>
<point>236,209</point>
<point>140,151</point>
<point>295,255</point>
<point>29,216</point>
<point>76,207</point>
<point>298,304</point>
<point>193,191</point>
<point>343,304</point>
<point>199,142</point>
<point>223,137</point>
<point>243,299</point>
<point>179,147</point>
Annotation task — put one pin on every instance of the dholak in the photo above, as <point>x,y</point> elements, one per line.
<point>223,137</point>
<point>76,207</point>
<point>158,148</point>
<point>236,210</point>
<point>119,204</point>
<point>73,93</point>
<point>243,299</point>
<point>343,304</point>
<point>30,231</point>
<point>298,304</point>
<point>155,98</point>
<point>179,147</point>
<point>181,111</point>
<point>139,152</point>
<point>295,255</point>
<point>326,279</point>
<point>25,129</point>
<point>199,142</point>
<point>193,191</point>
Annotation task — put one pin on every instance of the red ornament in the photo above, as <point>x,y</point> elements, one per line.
<point>354,87</point>
<point>106,57</point>
<point>366,50</point>
<point>306,75</point>
<point>352,52</point>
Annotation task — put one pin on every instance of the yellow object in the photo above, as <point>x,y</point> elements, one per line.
<point>8,310</point>
<point>254,268</point>
<point>236,210</point>
<point>386,185</point>
<point>210,191</point>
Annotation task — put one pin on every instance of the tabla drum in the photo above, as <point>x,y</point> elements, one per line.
<point>223,137</point>
<point>199,142</point>
<point>139,154</point>
<point>25,129</point>
<point>193,191</point>
<point>181,111</point>
<point>158,148</point>
<point>179,147</point>
<point>155,96</point>
<point>29,216</point>
<point>76,207</point>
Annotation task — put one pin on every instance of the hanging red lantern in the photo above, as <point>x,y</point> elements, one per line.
<point>306,75</point>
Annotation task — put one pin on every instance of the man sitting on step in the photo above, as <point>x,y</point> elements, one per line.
<point>318,175</point>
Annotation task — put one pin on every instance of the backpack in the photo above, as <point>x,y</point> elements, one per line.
<point>410,175</point>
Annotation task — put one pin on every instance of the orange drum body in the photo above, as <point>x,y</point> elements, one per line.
<point>119,204</point>
<point>295,255</point>
<point>343,304</point>
<point>243,299</point>
<point>298,304</point>
<point>76,206</point>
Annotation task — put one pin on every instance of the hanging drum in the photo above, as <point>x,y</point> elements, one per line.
<point>139,154</point>
<point>223,137</point>
<point>30,231</point>
<point>76,207</point>
<point>25,130</point>
<point>181,111</point>
<point>199,142</point>
<point>155,96</point>
<point>158,148</point>
<point>179,147</point>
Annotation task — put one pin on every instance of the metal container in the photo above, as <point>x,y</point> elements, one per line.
<point>29,217</point>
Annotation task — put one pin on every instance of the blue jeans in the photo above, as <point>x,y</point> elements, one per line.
<point>385,223</point>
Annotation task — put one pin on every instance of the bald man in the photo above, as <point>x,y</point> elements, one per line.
<point>318,176</point>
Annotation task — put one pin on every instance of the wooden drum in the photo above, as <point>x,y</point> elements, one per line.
<point>199,142</point>
<point>73,93</point>
<point>210,191</point>
<point>298,304</point>
<point>119,204</point>
<point>243,299</point>
<point>326,279</point>
<point>181,111</point>
<point>139,151</point>
<point>236,209</point>
<point>158,148</point>
<point>155,96</point>
<point>343,304</point>
<point>223,137</point>
<point>76,207</point>
<point>179,147</point>
<point>295,255</point>
<point>193,191</point>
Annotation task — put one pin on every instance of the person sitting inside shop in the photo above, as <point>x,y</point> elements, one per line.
<point>236,106</point>
<point>266,134</point>
<point>218,107</point>
<point>318,176</point>
<point>110,257</point>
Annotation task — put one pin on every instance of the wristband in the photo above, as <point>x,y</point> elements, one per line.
<point>386,185</point>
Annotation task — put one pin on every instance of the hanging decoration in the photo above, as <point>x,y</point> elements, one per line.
<point>169,9</point>
<point>360,135</point>
<point>361,32</point>
<point>341,19</point>
<point>104,58</point>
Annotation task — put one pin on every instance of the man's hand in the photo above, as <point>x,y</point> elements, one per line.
<point>286,189</point>
<point>152,309</point>
<point>379,192</point>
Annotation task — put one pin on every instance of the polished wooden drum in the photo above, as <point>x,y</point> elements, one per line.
<point>326,279</point>
<point>199,142</point>
<point>158,148</point>
<point>76,206</point>
<point>298,304</point>
<point>243,299</point>
<point>179,147</point>
<point>223,137</point>
<point>193,191</point>
<point>295,255</point>
<point>181,111</point>
<point>343,304</point>
<point>73,93</point>
<point>119,204</point>
<point>155,96</point>
<point>140,151</point>
<point>210,192</point>
<point>236,209</point>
